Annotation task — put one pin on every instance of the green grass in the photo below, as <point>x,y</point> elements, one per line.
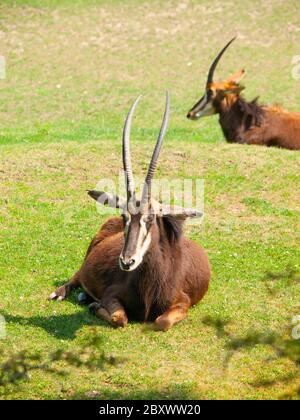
<point>73,69</point>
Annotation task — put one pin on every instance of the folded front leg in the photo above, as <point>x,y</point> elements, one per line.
<point>110,310</point>
<point>63,291</point>
<point>177,312</point>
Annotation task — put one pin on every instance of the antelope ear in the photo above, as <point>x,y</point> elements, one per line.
<point>179,212</point>
<point>106,199</point>
<point>236,77</point>
<point>233,88</point>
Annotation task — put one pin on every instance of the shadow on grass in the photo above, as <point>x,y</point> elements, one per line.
<point>73,296</point>
<point>64,326</point>
<point>283,344</point>
<point>274,282</point>
<point>60,326</point>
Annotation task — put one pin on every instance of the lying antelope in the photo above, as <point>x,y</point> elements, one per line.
<point>140,265</point>
<point>242,121</point>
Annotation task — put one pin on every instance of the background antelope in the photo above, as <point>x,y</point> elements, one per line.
<point>140,265</point>
<point>242,121</point>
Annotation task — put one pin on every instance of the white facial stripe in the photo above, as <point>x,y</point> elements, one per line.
<point>141,240</point>
<point>143,227</point>
<point>128,220</point>
<point>143,243</point>
<point>201,105</point>
<point>208,109</point>
<point>127,226</point>
<point>204,102</point>
<point>203,108</point>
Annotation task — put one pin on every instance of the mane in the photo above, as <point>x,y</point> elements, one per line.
<point>252,113</point>
<point>159,292</point>
<point>173,228</point>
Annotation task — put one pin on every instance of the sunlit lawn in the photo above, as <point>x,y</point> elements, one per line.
<point>73,69</point>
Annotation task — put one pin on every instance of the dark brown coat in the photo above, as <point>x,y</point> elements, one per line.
<point>250,123</point>
<point>173,267</point>
<point>242,121</point>
<point>140,265</point>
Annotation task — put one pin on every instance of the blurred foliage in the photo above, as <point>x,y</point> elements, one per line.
<point>19,366</point>
<point>288,277</point>
<point>283,346</point>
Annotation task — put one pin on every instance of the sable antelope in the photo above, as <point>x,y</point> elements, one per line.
<point>242,121</point>
<point>140,265</point>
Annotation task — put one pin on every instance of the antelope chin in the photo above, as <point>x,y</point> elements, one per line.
<point>199,115</point>
<point>204,111</point>
<point>196,116</point>
<point>193,117</point>
<point>131,268</point>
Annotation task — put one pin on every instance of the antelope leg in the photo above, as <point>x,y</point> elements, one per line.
<point>63,291</point>
<point>110,310</point>
<point>176,313</point>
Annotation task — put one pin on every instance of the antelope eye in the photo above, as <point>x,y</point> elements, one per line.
<point>209,93</point>
<point>150,218</point>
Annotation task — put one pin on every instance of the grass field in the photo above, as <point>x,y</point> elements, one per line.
<point>72,70</point>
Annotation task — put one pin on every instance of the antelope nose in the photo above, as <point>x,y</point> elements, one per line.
<point>189,114</point>
<point>126,263</point>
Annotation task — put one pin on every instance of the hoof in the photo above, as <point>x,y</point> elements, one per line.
<point>162,324</point>
<point>94,307</point>
<point>119,319</point>
<point>84,299</point>
<point>61,293</point>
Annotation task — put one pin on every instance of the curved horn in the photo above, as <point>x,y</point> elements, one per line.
<point>146,196</point>
<point>126,151</point>
<point>215,62</point>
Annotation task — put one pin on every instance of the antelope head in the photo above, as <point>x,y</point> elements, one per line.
<point>140,216</point>
<point>216,92</point>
